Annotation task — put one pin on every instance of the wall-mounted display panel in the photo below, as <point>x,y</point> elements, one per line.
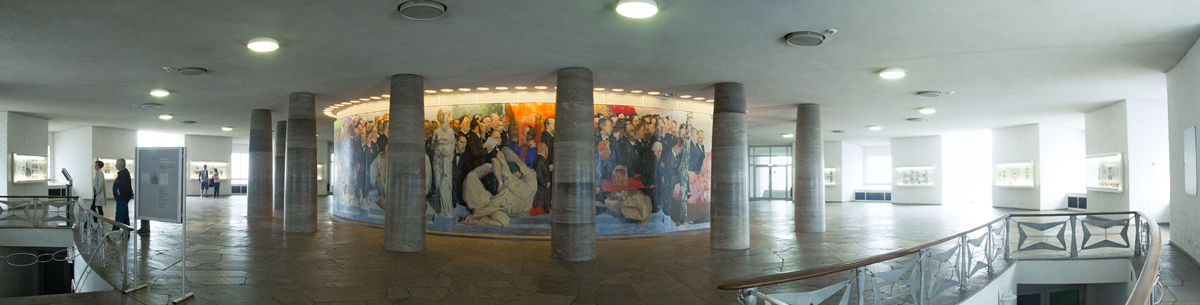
<point>28,169</point>
<point>1189,160</point>
<point>1014,174</point>
<point>914,176</point>
<point>1106,173</point>
<point>320,172</point>
<point>831,176</point>
<point>110,167</point>
<point>197,166</point>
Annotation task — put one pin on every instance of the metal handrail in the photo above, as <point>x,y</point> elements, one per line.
<point>110,221</point>
<point>97,237</point>
<point>1142,293</point>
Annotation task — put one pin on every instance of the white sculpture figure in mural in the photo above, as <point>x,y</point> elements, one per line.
<point>514,194</point>
<point>443,164</point>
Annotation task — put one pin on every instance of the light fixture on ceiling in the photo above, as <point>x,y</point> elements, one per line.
<point>520,87</point>
<point>364,99</point>
<point>539,87</point>
<point>598,89</point>
<point>227,128</point>
<point>653,93</point>
<point>788,135</point>
<point>376,98</point>
<point>431,91</point>
<point>160,92</point>
<point>891,73</point>
<point>192,71</point>
<point>874,127</point>
<point>501,88</point>
<point>150,105</point>
<point>709,101</point>
<point>483,88</point>
<point>263,44</point>
<point>635,91</point>
<point>807,38</point>
<point>386,96</point>
<point>421,9</point>
<point>685,96</point>
<point>618,90</point>
<point>698,98</point>
<point>464,89</point>
<point>447,90</point>
<point>165,116</point>
<point>637,8</point>
<point>927,110</point>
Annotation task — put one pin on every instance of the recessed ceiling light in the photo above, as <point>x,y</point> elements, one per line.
<point>345,103</point>
<point>386,96</point>
<point>874,127</point>
<point>637,8</point>
<point>364,99</point>
<point>421,9</point>
<point>431,91</point>
<point>635,91</point>
<point>698,98</point>
<point>539,87</point>
<point>263,44</point>
<point>891,73</point>
<point>160,92</point>
<point>376,98</point>
<point>227,128</point>
<point>165,116</point>
<point>598,89</point>
<point>447,90</point>
<point>464,89</point>
<point>502,88</point>
<point>192,71</point>
<point>927,110</point>
<point>685,96</point>
<point>806,38</point>
<point>151,105</point>
<point>788,135</point>
<point>483,88</point>
<point>520,87</point>
<point>618,90</point>
<point>710,101</point>
<point>653,93</point>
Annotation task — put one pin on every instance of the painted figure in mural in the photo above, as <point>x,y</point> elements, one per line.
<point>460,168</point>
<point>623,197</point>
<point>548,138</point>
<point>443,160</point>
<point>476,153</point>
<point>681,190</point>
<point>545,176</point>
<point>514,194</point>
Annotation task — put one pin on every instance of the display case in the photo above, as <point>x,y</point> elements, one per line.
<point>197,166</point>
<point>110,167</point>
<point>914,176</point>
<point>830,176</point>
<point>320,172</point>
<point>1106,172</point>
<point>28,169</point>
<point>1014,174</point>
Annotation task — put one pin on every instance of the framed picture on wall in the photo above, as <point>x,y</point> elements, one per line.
<point>110,167</point>
<point>1106,172</point>
<point>28,168</point>
<point>914,176</point>
<point>830,176</point>
<point>1014,174</point>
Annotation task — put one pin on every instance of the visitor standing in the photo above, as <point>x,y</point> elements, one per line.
<point>203,177</point>
<point>122,192</point>
<point>99,194</point>
<point>216,182</point>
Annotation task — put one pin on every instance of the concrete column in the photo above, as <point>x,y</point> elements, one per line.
<point>730,208</point>
<point>258,188</point>
<point>573,216</point>
<point>404,207</point>
<point>300,182</point>
<point>280,166</point>
<point>808,167</point>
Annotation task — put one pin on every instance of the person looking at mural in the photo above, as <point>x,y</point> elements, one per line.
<point>99,194</point>
<point>203,177</point>
<point>513,198</point>
<point>443,141</point>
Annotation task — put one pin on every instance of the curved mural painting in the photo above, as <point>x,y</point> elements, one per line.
<point>491,167</point>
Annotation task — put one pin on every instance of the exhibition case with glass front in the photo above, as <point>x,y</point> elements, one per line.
<point>28,169</point>
<point>914,176</point>
<point>110,167</point>
<point>1014,174</point>
<point>1106,172</point>
<point>830,176</point>
<point>197,166</point>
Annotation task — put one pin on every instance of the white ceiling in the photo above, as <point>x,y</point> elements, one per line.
<point>1009,62</point>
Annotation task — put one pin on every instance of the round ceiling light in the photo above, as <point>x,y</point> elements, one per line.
<point>637,8</point>
<point>927,110</point>
<point>431,91</point>
<point>891,73</point>
<point>464,89</point>
<point>376,98</point>
<point>788,135</point>
<point>635,91</point>
<point>501,88</point>
<point>539,87</point>
<point>192,71</point>
<point>422,9</point>
<point>447,90</point>
<point>520,87</point>
<point>263,44</point>
<point>804,38</point>
<point>483,88</point>
<point>227,128</point>
<point>598,89</point>
<point>874,127</point>
<point>160,92</point>
<point>653,93</point>
<point>618,90</point>
<point>165,117</point>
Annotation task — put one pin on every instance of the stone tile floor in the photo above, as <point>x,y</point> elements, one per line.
<point>232,260</point>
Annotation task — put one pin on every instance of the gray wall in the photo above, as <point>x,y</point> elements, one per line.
<point>26,135</point>
<point>1183,103</point>
<point>918,151</point>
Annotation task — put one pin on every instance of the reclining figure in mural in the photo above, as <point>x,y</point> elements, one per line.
<point>517,185</point>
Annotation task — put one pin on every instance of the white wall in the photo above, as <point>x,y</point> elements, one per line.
<point>26,135</point>
<point>1061,166</point>
<point>1183,92</point>
<point>73,151</point>
<point>966,171</point>
<point>848,159</point>
<point>1136,129</point>
<point>1017,144</point>
<point>1107,132</point>
<point>918,151</point>
<point>208,149</point>
<point>872,151</point>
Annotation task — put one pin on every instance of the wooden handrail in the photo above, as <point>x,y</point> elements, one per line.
<point>110,221</point>
<point>784,277</point>
<point>1143,290</point>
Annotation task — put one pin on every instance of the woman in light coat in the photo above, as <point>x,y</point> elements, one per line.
<point>99,192</point>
